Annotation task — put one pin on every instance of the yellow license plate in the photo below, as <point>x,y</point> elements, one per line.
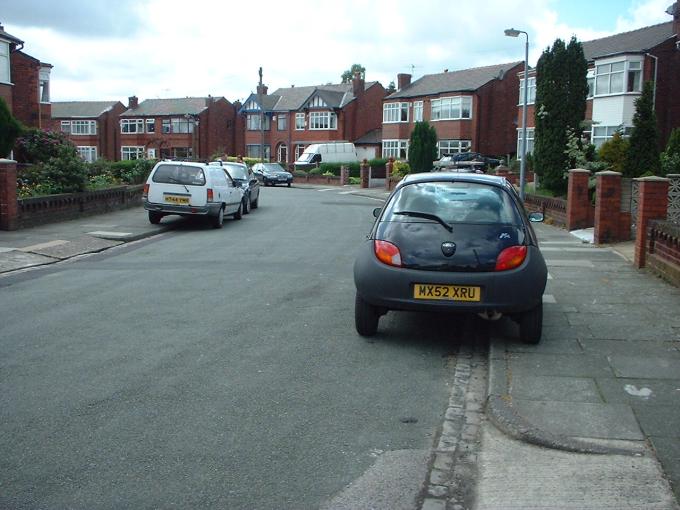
<point>177,200</point>
<point>447,292</point>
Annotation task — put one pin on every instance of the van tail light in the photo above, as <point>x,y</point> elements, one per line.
<point>387,253</point>
<point>145,193</point>
<point>510,258</point>
<point>210,195</point>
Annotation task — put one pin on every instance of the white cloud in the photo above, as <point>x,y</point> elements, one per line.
<point>642,14</point>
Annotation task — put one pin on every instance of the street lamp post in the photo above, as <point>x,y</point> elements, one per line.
<point>511,32</point>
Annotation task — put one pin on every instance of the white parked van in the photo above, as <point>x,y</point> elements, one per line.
<point>332,152</point>
<point>191,189</point>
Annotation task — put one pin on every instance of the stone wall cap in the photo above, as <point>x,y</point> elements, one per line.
<point>672,176</point>
<point>579,171</point>
<point>608,172</point>
<point>4,161</point>
<point>651,178</point>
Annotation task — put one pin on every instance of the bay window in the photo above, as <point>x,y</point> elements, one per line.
<point>323,120</point>
<point>451,108</point>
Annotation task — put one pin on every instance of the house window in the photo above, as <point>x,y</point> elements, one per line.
<point>299,121</point>
<point>88,153</point>
<point>452,108</point>
<point>417,111</point>
<point>282,122</point>
<point>530,142</point>
<point>253,122</point>
<point>609,78</point>
<point>634,83</point>
<point>4,62</point>
<point>66,126</point>
<point>132,126</point>
<point>531,98</point>
<point>128,152</point>
<point>83,127</point>
<point>323,120</point>
<point>453,146</point>
<point>178,125</point>
<point>150,125</point>
<point>253,151</point>
<point>44,85</point>
<point>591,83</point>
<point>282,153</point>
<point>395,112</point>
<point>603,133</point>
<point>397,149</point>
<point>299,149</point>
<point>317,102</point>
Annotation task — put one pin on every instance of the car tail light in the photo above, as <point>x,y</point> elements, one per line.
<point>510,258</point>
<point>210,195</point>
<point>387,253</point>
<point>146,191</point>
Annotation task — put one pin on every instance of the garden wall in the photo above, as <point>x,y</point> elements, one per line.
<point>554,209</point>
<point>663,252</point>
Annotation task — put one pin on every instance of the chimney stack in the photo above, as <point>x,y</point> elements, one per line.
<point>262,90</point>
<point>133,102</point>
<point>357,84</point>
<point>403,80</point>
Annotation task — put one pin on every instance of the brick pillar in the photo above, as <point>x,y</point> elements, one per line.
<point>607,207</point>
<point>9,208</point>
<point>388,172</point>
<point>578,204</point>
<point>363,173</point>
<point>344,175</point>
<point>652,205</point>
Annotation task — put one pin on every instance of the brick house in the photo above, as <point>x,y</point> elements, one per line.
<point>470,110</point>
<point>191,128</point>
<point>24,83</point>
<point>618,66</point>
<point>92,126</point>
<point>296,117</point>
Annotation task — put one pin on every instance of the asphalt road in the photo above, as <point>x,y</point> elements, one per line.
<point>218,369</point>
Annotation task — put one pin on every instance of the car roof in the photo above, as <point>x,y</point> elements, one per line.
<point>184,163</point>
<point>445,176</point>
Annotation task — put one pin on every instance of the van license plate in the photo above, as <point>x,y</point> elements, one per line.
<point>447,292</point>
<point>177,200</point>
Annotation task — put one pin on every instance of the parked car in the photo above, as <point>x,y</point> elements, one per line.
<point>466,162</point>
<point>191,189</point>
<point>452,243</point>
<point>272,174</point>
<point>331,152</point>
<point>246,180</point>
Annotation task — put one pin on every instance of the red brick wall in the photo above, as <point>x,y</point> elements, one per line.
<point>217,129</point>
<point>26,77</point>
<point>6,94</point>
<point>109,132</point>
<point>668,88</point>
<point>663,256</point>
<point>8,196</point>
<point>652,205</point>
<point>607,207</point>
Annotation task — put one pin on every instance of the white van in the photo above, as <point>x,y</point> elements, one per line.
<point>191,189</point>
<point>332,152</point>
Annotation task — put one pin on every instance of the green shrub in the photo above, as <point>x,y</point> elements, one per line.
<point>614,152</point>
<point>37,146</point>
<point>355,180</point>
<point>315,171</point>
<point>10,129</point>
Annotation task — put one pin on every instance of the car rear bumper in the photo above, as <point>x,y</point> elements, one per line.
<point>211,209</point>
<point>507,292</point>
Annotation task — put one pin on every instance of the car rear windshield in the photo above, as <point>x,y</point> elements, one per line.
<point>237,172</point>
<point>453,202</point>
<point>179,174</point>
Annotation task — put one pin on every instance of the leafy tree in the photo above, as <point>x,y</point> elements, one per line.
<point>10,129</point>
<point>614,152</point>
<point>643,154</point>
<point>422,147</point>
<point>670,158</point>
<point>349,74</point>
<point>391,88</point>
<point>561,92</point>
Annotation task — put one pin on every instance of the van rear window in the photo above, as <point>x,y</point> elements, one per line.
<point>179,174</point>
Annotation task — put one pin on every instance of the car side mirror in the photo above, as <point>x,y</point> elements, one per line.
<point>536,217</point>
<point>376,212</point>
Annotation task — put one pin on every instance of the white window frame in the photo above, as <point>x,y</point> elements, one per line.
<point>87,152</point>
<point>131,126</point>
<point>530,141</point>
<point>531,99</point>
<point>440,106</point>
<point>323,121</point>
<point>83,127</point>
<point>253,151</point>
<point>603,78</point>
<point>395,112</point>
<point>417,111</point>
<point>281,122</point>
<point>66,126</point>
<point>253,122</point>
<point>299,149</point>
<point>445,147</point>
<point>150,123</point>
<point>5,69</point>
<point>394,148</point>
<point>601,134</point>
<point>299,122</point>
<point>591,83</point>
<point>131,152</point>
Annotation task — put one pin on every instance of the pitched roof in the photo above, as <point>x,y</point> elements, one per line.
<point>180,106</point>
<point>373,137</point>
<point>639,40</point>
<point>9,37</point>
<point>465,80</point>
<point>81,109</point>
<point>334,95</point>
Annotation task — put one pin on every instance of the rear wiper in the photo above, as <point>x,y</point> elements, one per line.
<point>427,216</point>
<point>177,181</point>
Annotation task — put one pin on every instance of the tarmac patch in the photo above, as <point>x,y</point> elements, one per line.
<point>67,249</point>
<point>13,260</point>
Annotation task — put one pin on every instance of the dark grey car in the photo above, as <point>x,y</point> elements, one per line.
<point>272,174</point>
<point>450,242</point>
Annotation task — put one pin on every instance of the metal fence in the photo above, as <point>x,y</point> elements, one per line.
<point>673,213</point>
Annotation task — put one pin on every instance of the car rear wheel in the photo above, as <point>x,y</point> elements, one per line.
<point>155,217</point>
<point>218,220</point>
<point>239,214</point>
<point>289,185</point>
<point>366,317</point>
<point>531,325</point>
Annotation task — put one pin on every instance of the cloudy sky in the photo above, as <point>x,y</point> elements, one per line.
<point>110,50</point>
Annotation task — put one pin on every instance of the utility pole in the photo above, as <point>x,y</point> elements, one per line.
<point>259,100</point>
